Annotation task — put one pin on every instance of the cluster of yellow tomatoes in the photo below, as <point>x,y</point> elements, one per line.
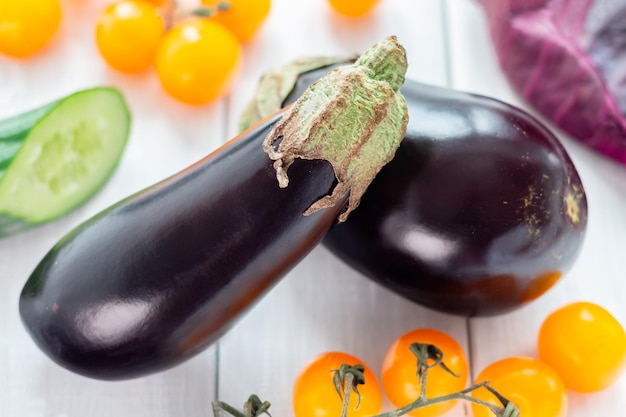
<point>196,56</point>
<point>196,53</point>
<point>580,347</point>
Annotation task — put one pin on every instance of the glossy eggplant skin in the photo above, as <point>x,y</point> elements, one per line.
<point>158,277</point>
<point>480,212</point>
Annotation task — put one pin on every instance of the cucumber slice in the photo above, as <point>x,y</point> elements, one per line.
<point>14,130</point>
<point>58,162</point>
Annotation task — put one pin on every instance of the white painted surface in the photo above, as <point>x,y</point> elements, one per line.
<point>599,273</point>
<point>322,304</point>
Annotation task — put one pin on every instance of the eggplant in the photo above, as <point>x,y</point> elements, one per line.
<point>480,212</point>
<point>161,275</point>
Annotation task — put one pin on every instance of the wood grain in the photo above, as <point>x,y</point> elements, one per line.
<point>598,275</point>
<point>321,304</point>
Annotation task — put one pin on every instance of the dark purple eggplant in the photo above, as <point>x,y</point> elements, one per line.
<point>142,287</point>
<point>158,277</point>
<point>480,211</point>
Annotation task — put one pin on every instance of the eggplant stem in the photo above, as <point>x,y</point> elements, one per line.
<point>354,117</point>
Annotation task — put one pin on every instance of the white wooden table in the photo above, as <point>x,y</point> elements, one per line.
<point>322,304</point>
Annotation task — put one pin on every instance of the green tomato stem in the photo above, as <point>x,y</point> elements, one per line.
<point>346,394</point>
<point>219,406</point>
<point>508,409</point>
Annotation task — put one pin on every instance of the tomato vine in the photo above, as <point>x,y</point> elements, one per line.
<point>348,377</point>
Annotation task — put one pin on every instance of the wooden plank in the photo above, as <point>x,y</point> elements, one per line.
<point>166,137</point>
<point>598,274</point>
<point>322,304</point>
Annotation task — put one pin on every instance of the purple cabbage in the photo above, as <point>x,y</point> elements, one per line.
<point>567,58</point>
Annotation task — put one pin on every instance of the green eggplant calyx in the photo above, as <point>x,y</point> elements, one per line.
<point>354,118</point>
<point>386,62</point>
<point>276,84</point>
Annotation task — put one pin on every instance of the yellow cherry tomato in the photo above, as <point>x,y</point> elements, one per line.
<point>27,26</point>
<point>128,33</point>
<point>585,344</point>
<point>314,393</point>
<point>399,372</point>
<point>353,8</point>
<point>198,61</point>
<point>242,17</point>
<point>532,385</point>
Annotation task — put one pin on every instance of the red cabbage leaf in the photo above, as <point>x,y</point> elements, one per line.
<point>576,80</point>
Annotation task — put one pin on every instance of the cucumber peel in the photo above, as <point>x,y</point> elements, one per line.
<point>14,130</point>
<point>54,158</point>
